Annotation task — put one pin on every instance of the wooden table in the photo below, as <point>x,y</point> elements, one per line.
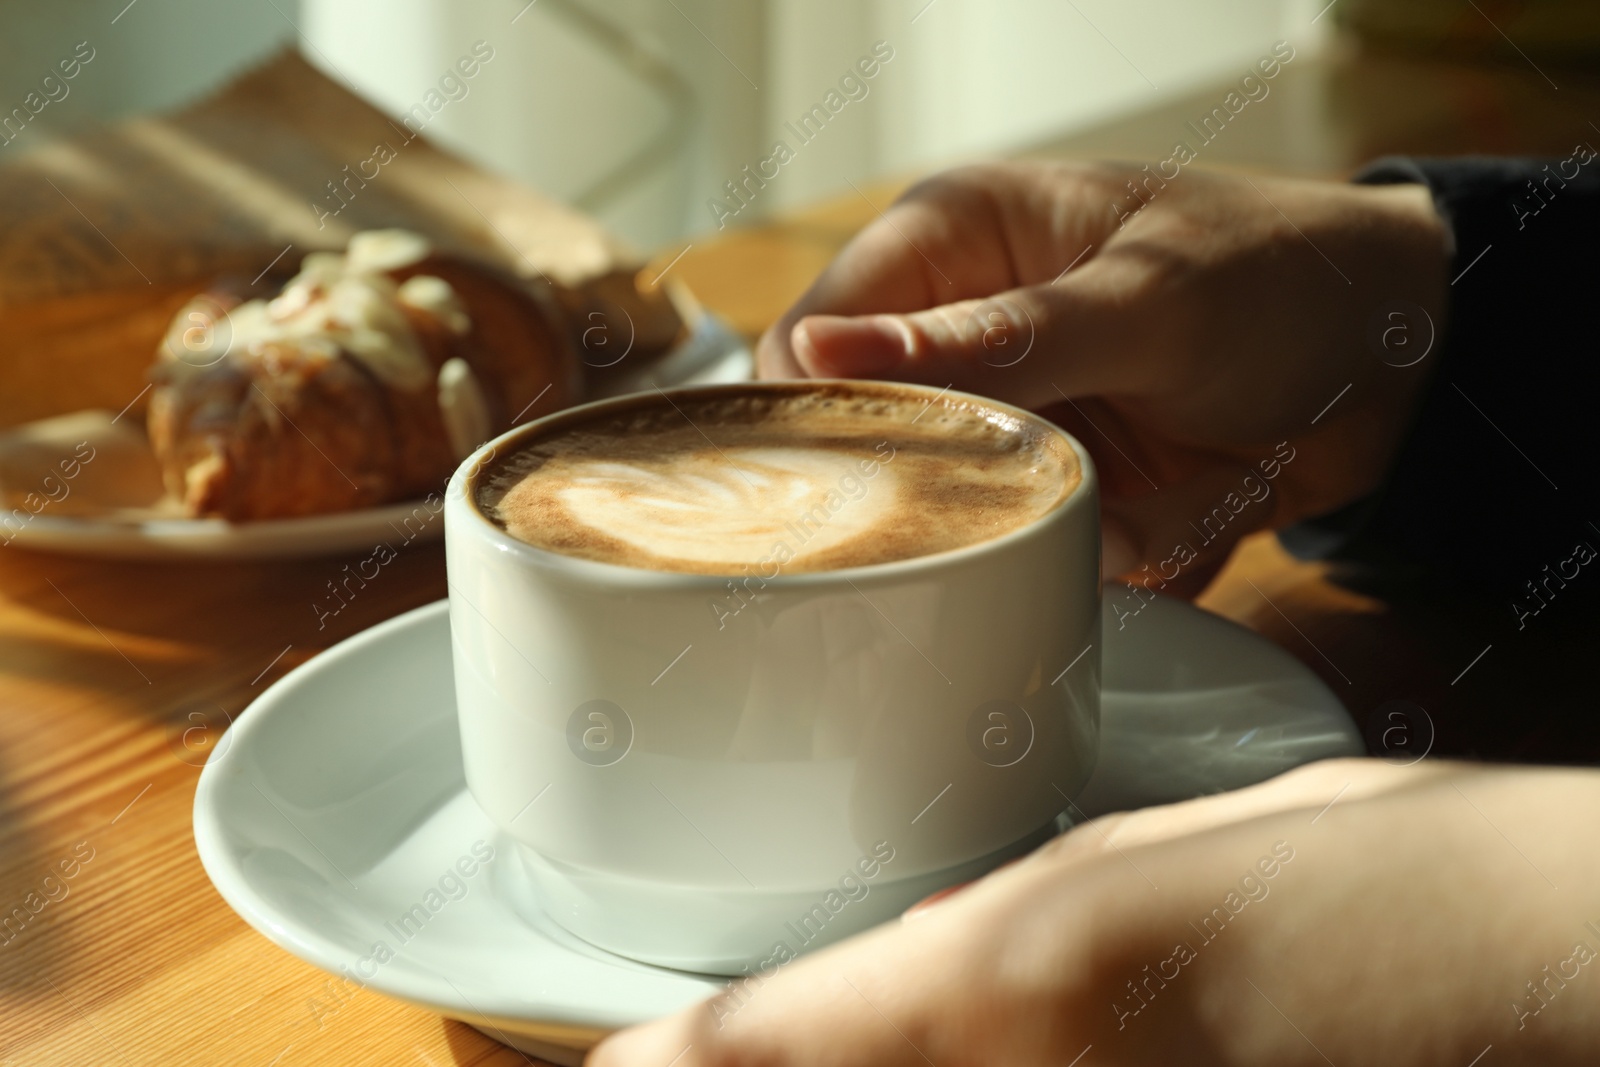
<point>104,666</point>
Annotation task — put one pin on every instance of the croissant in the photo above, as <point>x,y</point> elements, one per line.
<point>366,380</point>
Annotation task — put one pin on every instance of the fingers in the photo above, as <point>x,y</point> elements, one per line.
<point>1308,787</point>
<point>861,992</point>
<point>1175,538</point>
<point>940,242</point>
<point>1314,789</point>
<point>960,236</point>
<point>723,1033</point>
<point>1028,346</point>
<point>666,1041</point>
<point>921,907</point>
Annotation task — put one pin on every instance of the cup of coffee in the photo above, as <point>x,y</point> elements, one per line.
<point>745,669</point>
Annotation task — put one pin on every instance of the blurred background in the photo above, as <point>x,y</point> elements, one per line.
<point>638,111</point>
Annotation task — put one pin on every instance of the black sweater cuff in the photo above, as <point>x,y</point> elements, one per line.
<point>1497,478</point>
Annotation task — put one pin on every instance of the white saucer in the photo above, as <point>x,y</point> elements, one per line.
<point>713,352</point>
<point>336,802</point>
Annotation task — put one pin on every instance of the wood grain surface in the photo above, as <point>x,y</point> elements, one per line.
<point>102,663</point>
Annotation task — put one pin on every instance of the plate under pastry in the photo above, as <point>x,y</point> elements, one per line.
<point>712,353</point>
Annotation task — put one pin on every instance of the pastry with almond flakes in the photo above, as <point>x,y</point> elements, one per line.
<point>365,381</point>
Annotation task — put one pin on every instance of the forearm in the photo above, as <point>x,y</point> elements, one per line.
<point>1403,924</point>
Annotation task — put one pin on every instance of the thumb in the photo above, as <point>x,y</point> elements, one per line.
<point>1176,538</point>
<point>1026,346</point>
<point>858,988</point>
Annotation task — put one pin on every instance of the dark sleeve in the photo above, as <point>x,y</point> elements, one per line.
<point>1497,480</point>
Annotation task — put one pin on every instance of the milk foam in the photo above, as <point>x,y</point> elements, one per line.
<point>789,477</point>
<point>733,507</point>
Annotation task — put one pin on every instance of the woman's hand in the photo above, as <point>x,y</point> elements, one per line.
<point>1349,912</point>
<point>1182,342</point>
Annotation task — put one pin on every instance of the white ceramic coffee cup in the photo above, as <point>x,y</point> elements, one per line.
<point>716,789</point>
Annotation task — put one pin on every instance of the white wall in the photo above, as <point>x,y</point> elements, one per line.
<point>563,105</point>
<point>579,88</point>
<point>987,77</point>
<point>968,78</point>
<point>156,54</point>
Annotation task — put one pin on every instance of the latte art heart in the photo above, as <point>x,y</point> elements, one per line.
<point>778,478</point>
<point>735,506</point>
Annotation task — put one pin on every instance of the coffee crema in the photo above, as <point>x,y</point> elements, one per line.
<point>781,477</point>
